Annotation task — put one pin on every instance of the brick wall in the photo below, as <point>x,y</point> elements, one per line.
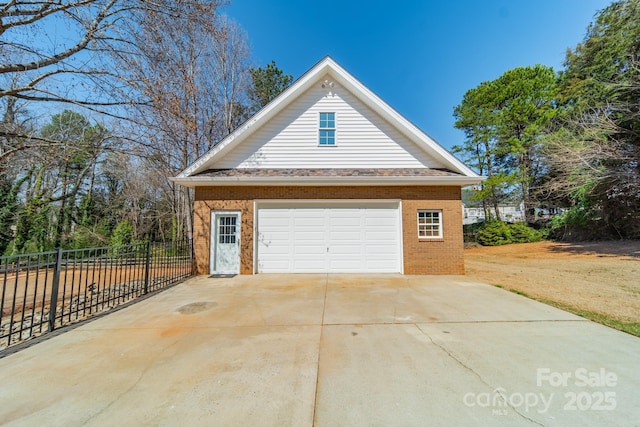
<point>421,256</point>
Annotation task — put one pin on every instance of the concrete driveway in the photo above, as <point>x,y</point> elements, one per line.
<point>336,350</point>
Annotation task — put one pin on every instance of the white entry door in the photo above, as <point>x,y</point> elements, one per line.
<point>225,242</point>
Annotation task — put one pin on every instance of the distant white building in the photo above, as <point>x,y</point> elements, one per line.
<point>507,214</point>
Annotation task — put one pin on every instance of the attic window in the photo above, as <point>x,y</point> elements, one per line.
<point>327,129</point>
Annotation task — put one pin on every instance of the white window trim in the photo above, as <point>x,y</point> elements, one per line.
<point>440,224</point>
<point>334,129</point>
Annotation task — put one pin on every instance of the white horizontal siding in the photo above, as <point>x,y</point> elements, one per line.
<point>363,139</point>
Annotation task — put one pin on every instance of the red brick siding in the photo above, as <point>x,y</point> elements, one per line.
<point>421,256</point>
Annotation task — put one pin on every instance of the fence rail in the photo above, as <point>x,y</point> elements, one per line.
<point>44,291</point>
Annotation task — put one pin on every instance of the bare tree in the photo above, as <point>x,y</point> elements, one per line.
<point>71,61</point>
<point>593,167</point>
<point>167,77</point>
<point>68,70</point>
<point>196,81</point>
<point>232,76</point>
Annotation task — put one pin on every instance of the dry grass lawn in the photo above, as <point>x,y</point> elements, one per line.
<point>597,280</point>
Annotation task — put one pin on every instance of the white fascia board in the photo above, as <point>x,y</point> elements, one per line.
<point>206,181</point>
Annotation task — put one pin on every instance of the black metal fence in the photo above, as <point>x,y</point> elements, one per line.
<point>47,290</point>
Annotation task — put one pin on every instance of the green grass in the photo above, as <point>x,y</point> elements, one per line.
<point>632,328</point>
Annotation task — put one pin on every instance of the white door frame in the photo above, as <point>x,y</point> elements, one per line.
<point>214,239</point>
<point>257,203</point>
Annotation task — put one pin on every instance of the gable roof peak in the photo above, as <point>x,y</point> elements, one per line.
<point>327,65</point>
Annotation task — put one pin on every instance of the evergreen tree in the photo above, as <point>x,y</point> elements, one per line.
<point>594,157</point>
<point>9,207</point>
<point>266,84</point>
<point>504,121</point>
<point>80,145</point>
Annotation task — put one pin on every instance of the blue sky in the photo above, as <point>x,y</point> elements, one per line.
<point>420,56</point>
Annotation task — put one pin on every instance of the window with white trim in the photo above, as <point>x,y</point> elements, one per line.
<point>327,129</point>
<point>430,224</point>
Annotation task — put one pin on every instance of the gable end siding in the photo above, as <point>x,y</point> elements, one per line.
<point>363,139</point>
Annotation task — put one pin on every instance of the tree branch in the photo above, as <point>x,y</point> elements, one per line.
<point>89,35</point>
<point>34,14</point>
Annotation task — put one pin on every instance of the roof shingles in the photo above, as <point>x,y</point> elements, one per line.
<point>320,173</point>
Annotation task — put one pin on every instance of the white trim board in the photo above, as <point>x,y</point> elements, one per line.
<point>202,181</point>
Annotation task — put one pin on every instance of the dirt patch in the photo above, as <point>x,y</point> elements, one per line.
<point>600,277</point>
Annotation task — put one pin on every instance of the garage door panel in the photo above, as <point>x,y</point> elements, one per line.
<point>346,267</point>
<point>278,222</point>
<point>302,214</point>
<point>360,237</point>
<point>376,223</point>
<point>379,268</point>
<point>302,237</point>
<point>272,244</point>
<point>308,263</point>
<point>309,222</point>
<point>274,266</point>
<point>274,239</point>
<point>276,225</point>
<point>277,234</point>
<point>302,250</point>
<point>272,213</point>
<point>380,236</point>
<point>344,213</point>
<point>276,252</point>
<point>378,252</point>
<point>354,252</point>
<point>346,221</point>
<point>309,266</point>
<point>348,236</point>
<point>371,218</point>
<point>307,211</point>
<point>381,212</point>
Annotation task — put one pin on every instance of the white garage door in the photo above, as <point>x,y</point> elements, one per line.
<point>313,238</point>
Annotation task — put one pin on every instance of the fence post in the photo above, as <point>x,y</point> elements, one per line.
<point>146,268</point>
<point>53,302</point>
<point>192,258</point>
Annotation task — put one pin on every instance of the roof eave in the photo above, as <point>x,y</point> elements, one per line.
<point>207,181</point>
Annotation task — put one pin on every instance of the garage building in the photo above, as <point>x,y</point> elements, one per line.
<point>328,178</point>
